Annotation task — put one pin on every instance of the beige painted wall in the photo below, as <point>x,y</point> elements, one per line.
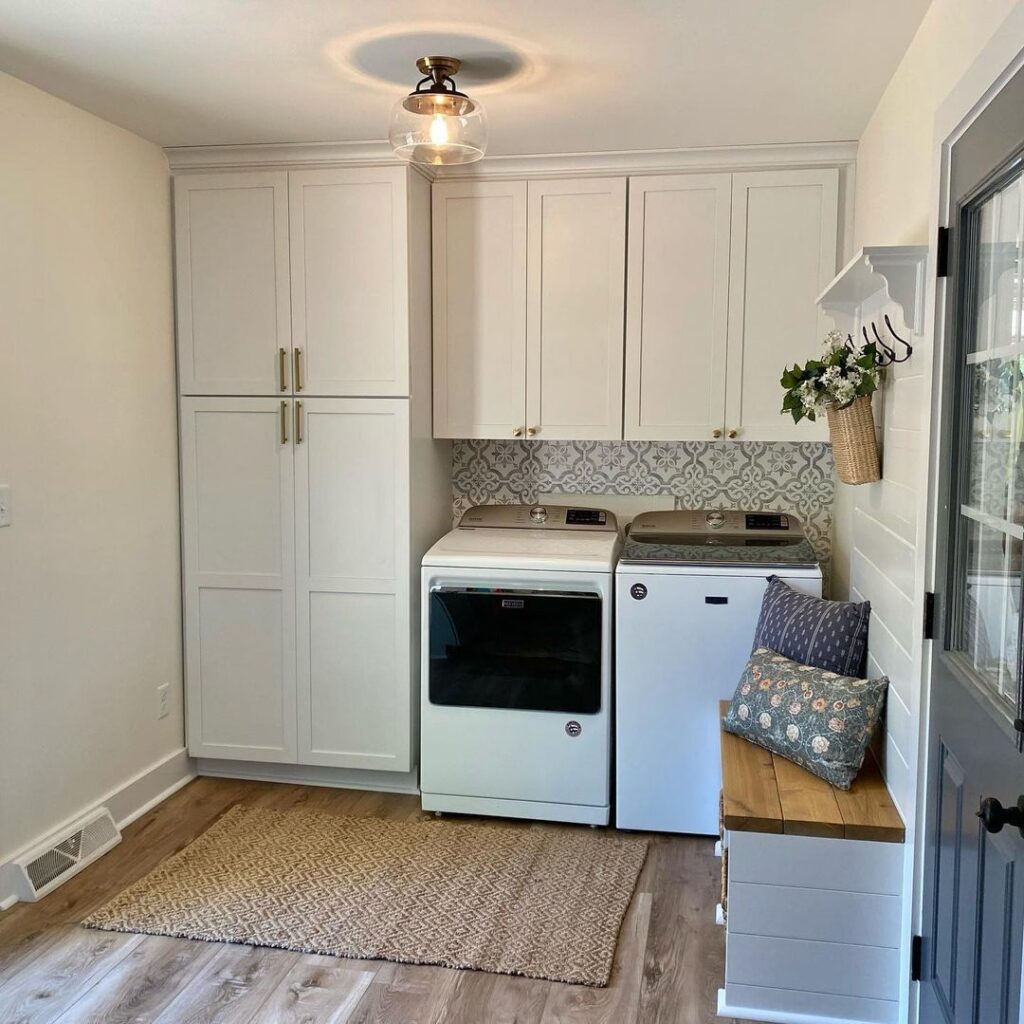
<point>895,163</point>
<point>89,570</point>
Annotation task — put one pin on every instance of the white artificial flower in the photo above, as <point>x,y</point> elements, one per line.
<point>810,397</point>
<point>831,377</point>
<point>833,340</point>
<point>844,392</point>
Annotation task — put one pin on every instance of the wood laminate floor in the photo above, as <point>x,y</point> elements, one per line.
<point>668,965</point>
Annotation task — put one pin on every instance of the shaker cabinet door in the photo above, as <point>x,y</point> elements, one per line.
<point>576,272</point>
<point>353,580</point>
<point>231,253</point>
<point>479,246</point>
<point>239,577</point>
<point>349,270</point>
<point>784,226</point>
<point>677,306</point>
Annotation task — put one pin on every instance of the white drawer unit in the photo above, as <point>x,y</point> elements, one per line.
<point>829,955</point>
<point>814,898</point>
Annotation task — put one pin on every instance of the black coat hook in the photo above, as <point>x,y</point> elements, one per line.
<point>885,354</point>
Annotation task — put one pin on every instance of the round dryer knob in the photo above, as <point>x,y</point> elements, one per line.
<point>539,514</point>
<point>715,520</point>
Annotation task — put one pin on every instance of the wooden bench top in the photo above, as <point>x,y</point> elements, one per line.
<point>765,793</point>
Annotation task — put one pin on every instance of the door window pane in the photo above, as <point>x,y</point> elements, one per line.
<point>997,419</point>
<point>997,319</point>
<point>991,608</point>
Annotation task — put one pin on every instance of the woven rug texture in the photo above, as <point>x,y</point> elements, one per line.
<point>546,902</point>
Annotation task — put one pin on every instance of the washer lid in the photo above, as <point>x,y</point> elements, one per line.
<point>534,550</point>
<point>717,537</point>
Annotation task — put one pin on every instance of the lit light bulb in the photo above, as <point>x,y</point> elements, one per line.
<point>439,130</point>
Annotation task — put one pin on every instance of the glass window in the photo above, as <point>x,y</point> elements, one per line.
<point>516,649</point>
<point>991,527</point>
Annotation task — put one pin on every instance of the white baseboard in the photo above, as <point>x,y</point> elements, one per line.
<point>312,775</point>
<point>127,801</point>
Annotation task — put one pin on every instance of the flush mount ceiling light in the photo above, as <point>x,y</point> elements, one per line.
<point>435,123</point>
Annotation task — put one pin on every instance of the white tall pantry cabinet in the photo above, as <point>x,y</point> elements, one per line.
<point>310,482</point>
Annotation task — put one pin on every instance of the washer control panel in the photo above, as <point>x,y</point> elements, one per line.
<point>538,517</point>
<point>690,525</point>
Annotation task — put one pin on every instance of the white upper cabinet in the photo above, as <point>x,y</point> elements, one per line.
<point>717,273</point>
<point>349,260</point>
<point>575,271</point>
<point>677,306</point>
<point>231,245</point>
<point>479,245</point>
<point>293,282</point>
<point>784,226</point>
<point>528,286</point>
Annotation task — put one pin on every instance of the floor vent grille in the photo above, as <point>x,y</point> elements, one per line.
<point>64,855</point>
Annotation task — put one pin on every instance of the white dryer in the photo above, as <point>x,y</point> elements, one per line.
<point>688,592</point>
<point>517,663</point>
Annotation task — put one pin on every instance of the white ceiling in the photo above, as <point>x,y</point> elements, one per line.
<point>555,76</point>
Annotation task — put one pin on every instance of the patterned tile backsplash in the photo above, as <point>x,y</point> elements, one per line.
<point>776,476</point>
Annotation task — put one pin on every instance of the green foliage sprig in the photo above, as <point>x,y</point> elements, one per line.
<point>841,376</point>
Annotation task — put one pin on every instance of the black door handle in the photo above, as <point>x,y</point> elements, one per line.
<point>994,815</point>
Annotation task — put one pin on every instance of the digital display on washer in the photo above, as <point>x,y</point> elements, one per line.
<point>767,521</point>
<point>585,517</point>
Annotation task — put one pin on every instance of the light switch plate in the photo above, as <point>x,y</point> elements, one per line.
<point>5,505</point>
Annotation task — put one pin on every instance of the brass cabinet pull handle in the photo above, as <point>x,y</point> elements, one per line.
<point>733,433</point>
<point>284,423</point>
<point>282,368</point>
<point>298,369</point>
<point>298,423</point>
<point>530,431</point>
<point>716,433</point>
<point>517,431</point>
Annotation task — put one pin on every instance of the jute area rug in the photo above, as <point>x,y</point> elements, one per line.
<point>547,903</point>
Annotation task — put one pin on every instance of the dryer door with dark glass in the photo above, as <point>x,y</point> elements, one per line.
<point>515,649</point>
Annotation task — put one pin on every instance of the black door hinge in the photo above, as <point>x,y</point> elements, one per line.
<point>929,616</point>
<point>942,253</point>
<point>915,958</point>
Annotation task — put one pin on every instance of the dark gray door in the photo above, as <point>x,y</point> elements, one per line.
<point>974,853</point>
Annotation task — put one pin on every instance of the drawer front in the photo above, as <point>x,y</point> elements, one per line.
<point>816,1006</point>
<point>834,968</point>
<point>812,863</point>
<point>822,915</point>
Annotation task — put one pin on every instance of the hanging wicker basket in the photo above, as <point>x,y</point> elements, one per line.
<point>853,441</point>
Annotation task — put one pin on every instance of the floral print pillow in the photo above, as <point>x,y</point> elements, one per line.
<point>821,720</point>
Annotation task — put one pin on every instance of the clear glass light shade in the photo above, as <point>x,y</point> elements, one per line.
<point>438,128</point>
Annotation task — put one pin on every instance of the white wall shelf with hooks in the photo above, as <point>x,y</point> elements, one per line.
<point>878,274</point>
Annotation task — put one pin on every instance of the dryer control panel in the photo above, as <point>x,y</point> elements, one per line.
<point>538,517</point>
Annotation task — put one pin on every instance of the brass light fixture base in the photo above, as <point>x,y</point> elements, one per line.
<point>439,67</point>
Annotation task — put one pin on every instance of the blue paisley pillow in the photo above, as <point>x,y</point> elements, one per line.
<point>819,719</point>
<point>813,631</point>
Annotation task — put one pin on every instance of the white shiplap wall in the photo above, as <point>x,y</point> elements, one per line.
<point>886,535</point>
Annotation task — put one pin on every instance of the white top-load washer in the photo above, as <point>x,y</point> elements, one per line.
<point>688,592</point>
<point>517,662</point>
